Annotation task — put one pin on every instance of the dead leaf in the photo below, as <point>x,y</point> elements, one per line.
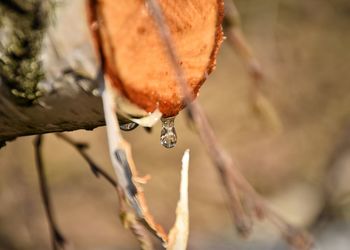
<point>132,52</point>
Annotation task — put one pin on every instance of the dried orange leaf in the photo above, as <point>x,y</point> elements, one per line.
<point>133,54</point>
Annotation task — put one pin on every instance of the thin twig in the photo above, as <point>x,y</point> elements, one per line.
<point>125,169</point>
<point>239,43</point>
<point>232,179</point>
<point>217,153</point>
<point>57,238</point>
<point>81,147</point>
<point>128,219</point>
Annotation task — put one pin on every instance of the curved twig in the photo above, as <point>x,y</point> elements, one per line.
<point>243,198</point>
<point>57,238</point>
<point>128,219</point>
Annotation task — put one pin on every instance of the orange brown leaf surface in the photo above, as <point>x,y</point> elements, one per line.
<point>133,55</point>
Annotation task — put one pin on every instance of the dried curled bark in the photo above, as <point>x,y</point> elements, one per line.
<point>134,57</point>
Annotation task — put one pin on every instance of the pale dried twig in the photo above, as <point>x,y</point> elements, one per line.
<point>119,149</point>
<point>128,219</point>
<point>178,235</point>
<point>131,222</point>
<point>125,169</point>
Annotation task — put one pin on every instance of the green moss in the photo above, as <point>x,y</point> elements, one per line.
<point>23,24</point>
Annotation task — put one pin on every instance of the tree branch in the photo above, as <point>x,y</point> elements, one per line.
<point>64,98</point>
<point>57,238</point>
<point>245,202</point>
<point>128,219</point>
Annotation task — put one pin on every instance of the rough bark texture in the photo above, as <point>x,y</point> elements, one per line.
<point>46,69</point>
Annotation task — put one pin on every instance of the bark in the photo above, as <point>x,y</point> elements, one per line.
<point>47,67</point>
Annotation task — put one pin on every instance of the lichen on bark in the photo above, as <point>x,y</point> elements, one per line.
<point>22,28</point>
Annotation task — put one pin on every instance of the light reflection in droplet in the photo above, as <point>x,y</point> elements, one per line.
<point>168,137</point>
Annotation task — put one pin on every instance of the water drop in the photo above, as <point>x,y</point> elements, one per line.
<point>168,137</point>
<point>128,126</point>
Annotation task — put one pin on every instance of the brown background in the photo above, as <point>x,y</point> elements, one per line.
<point>302,166</point>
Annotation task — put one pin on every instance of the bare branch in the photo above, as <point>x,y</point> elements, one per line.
<point>241,193</point>
<point>124,167</point>
<point>81,147</point>
<point>218,155</point>
<point>46,85</point>
<point>128,218</point>
<point>131,221</point>
<point>239,43</point>
<point>119,149</point>
<point>57,238</point>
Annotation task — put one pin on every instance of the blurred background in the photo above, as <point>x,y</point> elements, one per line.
<point>300,163</point>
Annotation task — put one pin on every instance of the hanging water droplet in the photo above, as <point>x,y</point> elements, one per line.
<point>128,126</point>
<point>168,137</point>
